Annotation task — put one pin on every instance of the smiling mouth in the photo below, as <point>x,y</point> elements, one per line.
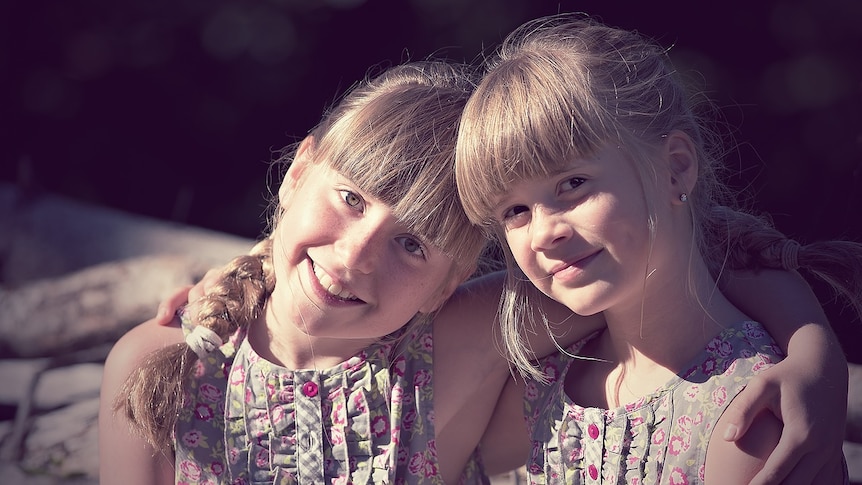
<point>331,287</point>
<point>576,265</point>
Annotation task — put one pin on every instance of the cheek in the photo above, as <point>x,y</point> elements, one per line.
<point>282,259</point>
<point>520,246</point>
<point>433,285</point>
<point>619,220</point>
<point>284,242</point>
<point>525,258</point>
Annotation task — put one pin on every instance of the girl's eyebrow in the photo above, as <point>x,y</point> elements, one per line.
<point>569,166</point>
<point>497,205</point>
<point>582,163</point>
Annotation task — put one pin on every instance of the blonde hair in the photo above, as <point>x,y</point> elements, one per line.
<point>393,135</point>
<point>561,88</point>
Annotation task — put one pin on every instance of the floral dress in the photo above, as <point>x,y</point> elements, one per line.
<point>659,439</point>
<point>368,420</point>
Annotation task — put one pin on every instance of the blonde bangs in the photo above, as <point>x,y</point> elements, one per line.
<point>537,128</point>
<point>399,147</point>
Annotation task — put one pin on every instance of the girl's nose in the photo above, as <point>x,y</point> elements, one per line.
<point>360,247</point>
<point>548,228</point>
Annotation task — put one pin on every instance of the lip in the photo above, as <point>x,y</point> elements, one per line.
<point>568,270</point>
<point>322,292</point>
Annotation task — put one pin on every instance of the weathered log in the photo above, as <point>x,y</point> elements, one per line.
<point>75,275</point>
<point>89,307</point>
<point>46,236</point>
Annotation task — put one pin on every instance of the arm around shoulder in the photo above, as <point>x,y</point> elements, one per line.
<point>739,461</point>
<point>807,390</point>
<point>125,457</point>
<point>506,442</point>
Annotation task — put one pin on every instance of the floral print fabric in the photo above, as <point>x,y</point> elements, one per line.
<point>368,420</point>
<point>661,438</point>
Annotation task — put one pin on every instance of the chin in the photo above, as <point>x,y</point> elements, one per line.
<point>580,302</point>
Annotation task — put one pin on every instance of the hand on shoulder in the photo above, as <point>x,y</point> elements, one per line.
<point>739,461</point>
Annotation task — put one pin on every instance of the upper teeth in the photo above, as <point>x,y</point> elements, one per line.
<point>331,286</point>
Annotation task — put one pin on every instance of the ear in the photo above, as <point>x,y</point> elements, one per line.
<point>681,156</point>
<point>301,161</point>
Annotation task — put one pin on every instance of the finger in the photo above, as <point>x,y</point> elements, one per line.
<point>168,307</point>
<point>758,395</point>
<point>809,471</point>
<point>784,460</point>
<point>835,469</point>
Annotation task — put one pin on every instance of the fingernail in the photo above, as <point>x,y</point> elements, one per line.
<point>730,432</point>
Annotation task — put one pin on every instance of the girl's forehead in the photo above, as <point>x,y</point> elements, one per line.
<point>551,166</point>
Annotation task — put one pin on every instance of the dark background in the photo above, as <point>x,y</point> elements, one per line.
<point>172,108</point>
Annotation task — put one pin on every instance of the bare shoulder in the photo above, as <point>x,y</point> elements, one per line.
<point>484,290</point>
<point>129,352</point>
<point>139,342</point>
<point>124,456</point>
<point>469,371</point>
<point>465,328</point>
<point>739,461</point>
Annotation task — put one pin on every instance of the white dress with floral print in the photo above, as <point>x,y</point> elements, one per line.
<point>661,438</point>
<point>368,420</point>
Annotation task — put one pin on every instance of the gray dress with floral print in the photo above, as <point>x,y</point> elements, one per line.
<point>659,439</point>
<point>368,420</point>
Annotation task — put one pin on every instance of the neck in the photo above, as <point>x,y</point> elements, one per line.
<point>655,334</point>
<point>285,344</point>
<point>673,318</point>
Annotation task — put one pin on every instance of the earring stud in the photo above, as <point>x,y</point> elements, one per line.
<point>683,197</point>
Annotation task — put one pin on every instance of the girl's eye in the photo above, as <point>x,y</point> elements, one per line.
<point>514,211</point>
<point>571,184</point>
<point>351,199</point>
<point>515,216</point>
<point>411,245</point>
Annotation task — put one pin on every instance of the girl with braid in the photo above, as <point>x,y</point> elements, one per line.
<point>327,355</point>
<point>312,360</point>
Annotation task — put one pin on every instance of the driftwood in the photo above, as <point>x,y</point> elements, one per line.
<point>74,276</point>
<point>45,236</point>
<point>89,307</point>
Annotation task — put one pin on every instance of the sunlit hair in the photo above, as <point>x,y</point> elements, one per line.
<point>393,136</point>
<point>561,88</point>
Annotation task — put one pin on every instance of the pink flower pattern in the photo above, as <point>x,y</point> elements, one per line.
<point>204,412</point>
<point>655,439</point>
<point>192,438</point>
<point>188,470</point>
<point>217,468</point>
<point>209,392</point>
<point>379,426</point>
<point>242,422</point>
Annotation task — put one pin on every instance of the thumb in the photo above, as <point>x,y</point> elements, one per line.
<point>760,394</point>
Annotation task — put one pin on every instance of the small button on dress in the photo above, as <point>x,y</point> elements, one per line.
<point>594,472</point>
<point>309,389</point>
